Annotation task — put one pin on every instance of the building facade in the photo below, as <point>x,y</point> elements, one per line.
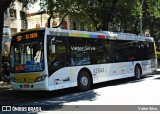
<point>40,19</point>
<point>14,21</point>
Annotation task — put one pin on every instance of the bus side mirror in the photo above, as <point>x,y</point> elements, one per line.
<point>53,46</point>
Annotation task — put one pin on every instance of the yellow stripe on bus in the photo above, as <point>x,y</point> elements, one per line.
<point>26,78</point>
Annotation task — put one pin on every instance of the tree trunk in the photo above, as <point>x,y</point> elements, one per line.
<point>62,20</point>
<point>49,21</point>
<point>135,31</point>
<point>105,25</point>
<point>152,33</point>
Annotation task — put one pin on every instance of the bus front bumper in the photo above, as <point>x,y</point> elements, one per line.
<point>29,86</point>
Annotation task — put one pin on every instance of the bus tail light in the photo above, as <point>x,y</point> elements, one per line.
<point>40,78</point>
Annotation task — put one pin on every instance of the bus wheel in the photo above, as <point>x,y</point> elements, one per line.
<point>84,81</point>
<point>137,72</point>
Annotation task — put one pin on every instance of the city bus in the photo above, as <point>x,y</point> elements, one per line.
<point>52,59</point>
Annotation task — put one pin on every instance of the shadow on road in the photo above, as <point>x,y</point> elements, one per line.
<point>58,97</point>
<point>158,74</point>
<point>48,100</point>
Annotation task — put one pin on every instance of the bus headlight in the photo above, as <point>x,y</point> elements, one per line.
<point>13,80</point>
<point>40,78</point>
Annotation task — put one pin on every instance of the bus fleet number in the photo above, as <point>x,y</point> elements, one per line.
<point>98,71</point>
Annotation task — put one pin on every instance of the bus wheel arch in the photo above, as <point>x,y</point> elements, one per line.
<point>138,71</point>
<point>84,79</point>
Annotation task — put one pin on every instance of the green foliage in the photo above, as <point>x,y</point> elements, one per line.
<point>95,14</point>
<point>123,15</point>
<point>105,14</point>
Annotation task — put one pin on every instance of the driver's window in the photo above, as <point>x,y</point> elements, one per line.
<point>28,53</point>
<point>17,56</point>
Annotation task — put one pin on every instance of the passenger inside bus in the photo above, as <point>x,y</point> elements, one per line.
<point>37,54</point>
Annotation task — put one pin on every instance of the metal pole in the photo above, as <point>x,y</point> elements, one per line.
<point>141,16</point>
<point>41,11</point>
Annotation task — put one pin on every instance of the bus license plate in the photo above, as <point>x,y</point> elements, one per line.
<point>26,86</point>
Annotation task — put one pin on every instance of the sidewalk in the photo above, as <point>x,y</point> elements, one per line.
<point>4,85</point>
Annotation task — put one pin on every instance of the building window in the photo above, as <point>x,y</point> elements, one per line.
<point>13,14</point>
<point>6,12</point>
<point>22,15</point>
<point>74,25</point>
<point>64,25</point>
<point>6,30</point>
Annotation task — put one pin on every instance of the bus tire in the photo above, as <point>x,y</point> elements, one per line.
<point>84,81</point>
<point>137,72</point>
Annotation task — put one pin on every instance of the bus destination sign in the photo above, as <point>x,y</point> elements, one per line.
<point>27,36</point>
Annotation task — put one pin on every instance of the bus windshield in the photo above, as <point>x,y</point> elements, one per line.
<point>27,56</point>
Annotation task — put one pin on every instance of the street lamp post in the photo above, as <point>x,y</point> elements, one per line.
<point>141,16</point>
<point>41,11</point>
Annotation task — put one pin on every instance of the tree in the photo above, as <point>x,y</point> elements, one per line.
<point>126,15</point>
<point>151,15</point>
<point>99,12</point>
<point>59,8</point>
<point>96,13</point>
<point>4,4</point>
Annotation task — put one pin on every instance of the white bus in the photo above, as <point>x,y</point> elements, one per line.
<point>52,59</point>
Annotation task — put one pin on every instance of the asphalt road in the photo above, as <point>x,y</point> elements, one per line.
<point>120,92</point>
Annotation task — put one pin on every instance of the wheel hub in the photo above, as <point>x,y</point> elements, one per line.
<point>84,81</point>
<point>138,73</point>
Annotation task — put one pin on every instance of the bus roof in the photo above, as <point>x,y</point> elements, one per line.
<point>98,35</point>
<point>28,30</point>
<point>86,34</point>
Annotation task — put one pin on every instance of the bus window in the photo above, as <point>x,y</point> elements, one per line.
<point>58,59</point>
<point>125,51</point>
<point>80,58</point>
<point>37,53</point>
<point>81,50</point>
<point>98,54</point>
<point>17,55</point>
<point>87,51</point>
<point>28,53</point>
<point>110,46</point>
<point>122,51</point>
